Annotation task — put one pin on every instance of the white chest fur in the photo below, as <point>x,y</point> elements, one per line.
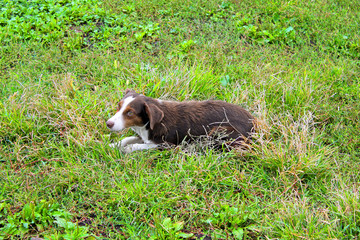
<point>143,133</point>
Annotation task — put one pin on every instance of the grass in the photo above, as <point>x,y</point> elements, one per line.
<point>293,64</point>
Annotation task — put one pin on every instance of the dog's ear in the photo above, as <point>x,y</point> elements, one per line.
<point>154,113</point>
<point>127,91</point>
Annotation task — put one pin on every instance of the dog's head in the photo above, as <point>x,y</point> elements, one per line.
<point>135,110</point>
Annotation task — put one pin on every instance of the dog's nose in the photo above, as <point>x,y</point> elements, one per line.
<point>110,124</point>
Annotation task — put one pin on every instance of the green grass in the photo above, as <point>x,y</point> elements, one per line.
<point>293,64</point>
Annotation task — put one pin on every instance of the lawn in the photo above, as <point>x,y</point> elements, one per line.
<point>293,64</point>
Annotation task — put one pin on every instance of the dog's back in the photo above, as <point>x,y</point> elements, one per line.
<point>196,118</point>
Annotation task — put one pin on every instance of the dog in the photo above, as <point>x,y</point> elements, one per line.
<point>157,121</point>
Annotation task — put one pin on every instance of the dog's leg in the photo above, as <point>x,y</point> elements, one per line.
<point>137,146</point>
<point>126,141</point>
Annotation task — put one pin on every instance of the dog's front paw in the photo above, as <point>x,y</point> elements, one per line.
<point>115,145</point>
<point>128,149</point>
<point>136,147</point>
<point>126,142</point>
<point>129,141</point>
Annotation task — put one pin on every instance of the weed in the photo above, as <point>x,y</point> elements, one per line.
<point>39,218</point>
<point>170,230</point>
<point>186,46</point>
<point>75,24</point>
<point>233,220</point>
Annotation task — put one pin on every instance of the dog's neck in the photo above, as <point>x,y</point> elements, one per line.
<point>142,132</point>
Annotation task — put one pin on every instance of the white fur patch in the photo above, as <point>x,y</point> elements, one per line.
<point>142,132</point>
<point>138,146</point>
<point>130,140</point>
<point>126,141</point>
<point>118,118</point>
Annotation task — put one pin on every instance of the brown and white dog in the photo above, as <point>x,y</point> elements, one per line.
<point>157,121</point>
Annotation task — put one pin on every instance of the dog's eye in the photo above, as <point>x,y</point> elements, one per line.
<point>130,113</point>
